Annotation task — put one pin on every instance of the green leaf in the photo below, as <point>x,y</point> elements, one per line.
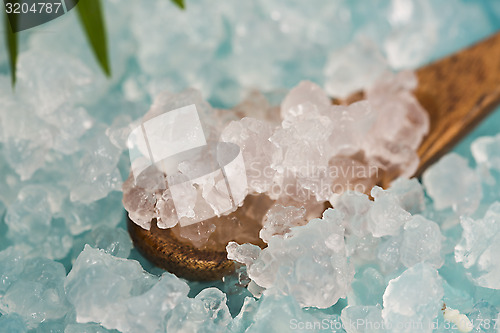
<point>11,41</point>
<point>92,21</point>
<point>179,3</point>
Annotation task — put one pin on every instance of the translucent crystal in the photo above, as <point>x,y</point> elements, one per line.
<point>38,293</point>
<point>312,255</point>
<point>245,317</point>
<point>30,221</point>
<point>114,241</point>
<point>413,300</point>
<point>400,125</point>
<point>11,267</point>
<point>482,317</point>
<point>421,242</point>
<point>278,313</point>
<point>98,174</point>
<point>415,27</point>
<point>409,193</point>
<point>363,319</point>
<point>207,312</point>
<point>64,79</point>
<point>386,215</point>
<point>244,253</point>
<point>252,136</point>
<point>79,217</point>
<point>389,253</point>
<point>302,98</point>
<point>12,324</point>
<point>355,206</point>
<point>26,156</point>
<point>486,151</point>
<point>478,248</point>
<point>353,68</point>
<point>367,287</point>
<point>280,219</point>
<point>115,291</point>
<point>86,328</point>
<point>460,189</point>
<point>72,123</point>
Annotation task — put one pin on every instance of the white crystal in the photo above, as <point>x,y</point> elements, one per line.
<point>413,300</point>
<point>301,98</point>
<point>460,189</point>
<point>486,151</point>
<point>479,246</point>
<point>353,68</point>
<point>279,219</point>
<point>252,136</point>
<point>461,321</point>
<point>386,214</point>
<point>98,173</point>
<point>37,294</point>
<point>421,242</point>
<point>115,292</point>
<point>409,193</point>
<point>207,312</point>
<point>244,253</point>
<point>30,221</point>
<point>310,264</point>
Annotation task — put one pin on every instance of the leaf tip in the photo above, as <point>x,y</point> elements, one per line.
<point>180,4</point>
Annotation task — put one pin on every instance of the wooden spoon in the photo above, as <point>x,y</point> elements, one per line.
<point>457,91</point>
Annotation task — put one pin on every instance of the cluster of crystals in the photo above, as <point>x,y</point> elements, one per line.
<point>314,151</point>
<point>396,250</point>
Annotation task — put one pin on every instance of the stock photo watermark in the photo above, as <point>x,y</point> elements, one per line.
<point>27,14</point>
<point>363,324</point>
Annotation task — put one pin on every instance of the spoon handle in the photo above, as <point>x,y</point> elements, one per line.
<point>458,92</point>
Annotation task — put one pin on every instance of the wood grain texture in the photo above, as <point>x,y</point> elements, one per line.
<point>162,248</point>
<point>458,92</point>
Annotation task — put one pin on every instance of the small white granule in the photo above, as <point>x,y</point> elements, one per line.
<point>462,322</point>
